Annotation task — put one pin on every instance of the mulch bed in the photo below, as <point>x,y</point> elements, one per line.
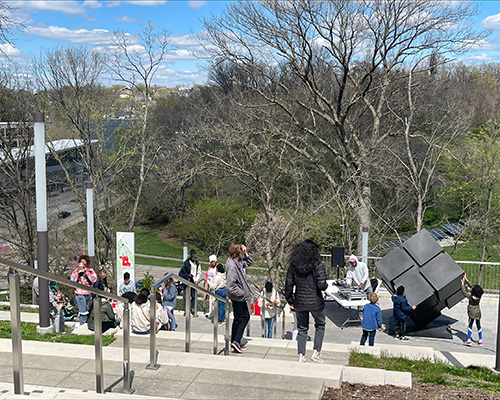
<point>419,391</point>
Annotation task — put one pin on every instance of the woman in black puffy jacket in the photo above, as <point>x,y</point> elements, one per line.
<point>305,281</point>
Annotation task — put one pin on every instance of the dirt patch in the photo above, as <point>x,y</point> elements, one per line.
<point>419,391</point>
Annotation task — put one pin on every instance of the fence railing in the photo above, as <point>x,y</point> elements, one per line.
<point>17,355</point>
<point>188,286</point>
<point>486,274</point>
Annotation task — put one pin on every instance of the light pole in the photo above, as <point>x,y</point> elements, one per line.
<point>90,223</point>
<point>42,235</point>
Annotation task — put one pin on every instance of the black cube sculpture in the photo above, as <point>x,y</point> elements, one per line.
<point>432,279</point>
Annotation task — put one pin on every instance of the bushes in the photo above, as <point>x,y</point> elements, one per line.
<point>213,224</point>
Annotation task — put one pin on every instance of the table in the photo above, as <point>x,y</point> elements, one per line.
<point>332,294</point>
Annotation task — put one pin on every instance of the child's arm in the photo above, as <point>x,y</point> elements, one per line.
<point>464,289</point>
<point>378,316</point>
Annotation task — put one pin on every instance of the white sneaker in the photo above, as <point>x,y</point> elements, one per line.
<point>316,357</point>
<point>302,358</point>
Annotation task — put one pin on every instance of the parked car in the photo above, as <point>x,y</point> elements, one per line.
<point>63,214</point>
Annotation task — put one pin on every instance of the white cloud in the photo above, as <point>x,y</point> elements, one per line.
<point>180,55</point>
<point>126,20</point>
<point>195,4</point>
<point>491,22</point>
<point>480,58</point>
<point>13,53</point>
<point>184,40</point>
<point>10,50</point>
<point>94,4</point>
<point>71,7</point>
<point>147,3</point>
<point>94,36</point>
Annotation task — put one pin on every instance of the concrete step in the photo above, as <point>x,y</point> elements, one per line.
<point>275,374</point>
<point>47,392</point>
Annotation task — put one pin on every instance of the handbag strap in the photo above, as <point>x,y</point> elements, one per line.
<point>143,313</point>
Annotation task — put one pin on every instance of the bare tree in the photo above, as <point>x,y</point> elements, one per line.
<point>7,24</point>
<point>70,91</point>
<point>430,124</point>
<point>238,139</point>
<point>136,64</point>
<point>17,197</point>
<point>330,65</point>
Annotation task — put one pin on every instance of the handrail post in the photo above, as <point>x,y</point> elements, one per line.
<point>195,302</point>
<point>152,331</point>
<point>226,338</point>
<point>276,315</point>
<point>249,306</point>
<point>126,349</point>
<point>283,332</point>
<point>187,312</point>
<point>215,319</point>
<point>99,378</point>
<point>15,328</point>
<point>263,317</point>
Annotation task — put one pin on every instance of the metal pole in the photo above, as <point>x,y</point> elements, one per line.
<point>41,217</point>
<point>283,328</point>
<point>215,319</point>
<point>276,315</point>
<point>90,223</point>
<point>263,317</point>
<point>249,306</point>
<point>126,348</point>
<point>15,328</point>
<point>227,337</point>
<point>195,314</point>
<point>152,331</point>
<point>497,356</point>
<point>99,377</point>
<point>184,251</point>
<point>364,252</point>
<point>187,313</point>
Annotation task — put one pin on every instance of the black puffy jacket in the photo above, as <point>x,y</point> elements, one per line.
<point>304,285</point>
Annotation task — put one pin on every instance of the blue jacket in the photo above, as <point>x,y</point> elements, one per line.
<point>169,297</point>
<point>372,317</point>
<point>401,307</point>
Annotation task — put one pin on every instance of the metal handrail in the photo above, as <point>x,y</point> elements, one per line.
<point>14,283</point>
<point>153,353</point>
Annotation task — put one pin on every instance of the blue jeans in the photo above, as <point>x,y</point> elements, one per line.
<point>268,327</point>
<point>221,317</point>
<point>83,302</point>
<point>370,335</point>
<point>303,326</point>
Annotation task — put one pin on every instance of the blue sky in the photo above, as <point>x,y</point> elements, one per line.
<point>52,23</point>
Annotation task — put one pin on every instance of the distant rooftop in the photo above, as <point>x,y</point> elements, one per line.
<point>56,145</point>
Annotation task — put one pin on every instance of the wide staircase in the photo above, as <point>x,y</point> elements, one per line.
<point>267,370</point>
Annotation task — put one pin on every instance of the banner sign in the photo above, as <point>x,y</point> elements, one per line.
<point>125,256</point>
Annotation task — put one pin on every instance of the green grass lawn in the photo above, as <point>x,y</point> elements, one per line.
<point>432,372</point>
<point>157,262</point>
<point>469,252</point>
<point>28,332</point>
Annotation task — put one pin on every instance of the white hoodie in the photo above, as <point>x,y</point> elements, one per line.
<point>358,274</point>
